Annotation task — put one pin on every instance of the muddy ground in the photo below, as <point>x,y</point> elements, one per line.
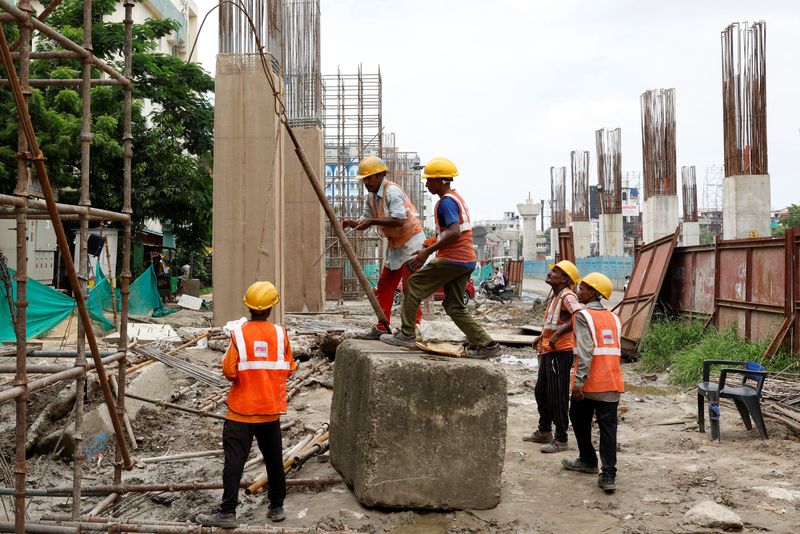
<point>665,465</point>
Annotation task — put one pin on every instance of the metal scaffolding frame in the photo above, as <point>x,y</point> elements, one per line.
<point>353,120</point>
<point>301,62</point>
<point>24,208</point>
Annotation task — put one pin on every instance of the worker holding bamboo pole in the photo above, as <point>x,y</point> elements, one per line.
<point>389,210</point>
<point>258,361</point>
<point>454,263</point>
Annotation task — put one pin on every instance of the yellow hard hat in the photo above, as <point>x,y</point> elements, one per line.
<point>261,296</point>
<point>439,168</point>
<point>371,165</point>
<point>569,268</point>
<point>599,282</point>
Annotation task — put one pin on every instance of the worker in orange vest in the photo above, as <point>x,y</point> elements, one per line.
<point>258,361</point>
<point>556,358</point>
<point>391,212</point>
<point>455,260</point>
<point>598,382</point>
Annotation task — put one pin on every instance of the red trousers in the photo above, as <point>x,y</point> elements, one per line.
<point>387,283</point>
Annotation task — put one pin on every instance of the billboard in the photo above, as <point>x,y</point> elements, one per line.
<point>630,202</point>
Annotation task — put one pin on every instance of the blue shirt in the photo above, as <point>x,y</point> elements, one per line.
<point>447,213</point>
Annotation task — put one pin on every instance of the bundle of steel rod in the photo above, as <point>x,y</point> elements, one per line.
<point>689,188</point>
<point>212,378</point>
<point>311,444</point>
<point>658,142</point>
<point>579,160</point>
<point>213,400</point>
<point>609,169</point>
<point>558,197</point>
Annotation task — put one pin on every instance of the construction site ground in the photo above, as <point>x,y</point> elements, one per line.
<point>665,465</point>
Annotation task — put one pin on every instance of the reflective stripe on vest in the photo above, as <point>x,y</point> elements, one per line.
<point>465,223</point>
<point>397,236</point>
<point>605,371</point>
<point>245,365</point>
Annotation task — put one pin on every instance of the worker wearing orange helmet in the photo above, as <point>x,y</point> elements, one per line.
<point>555,346</point>
<point>455,261</point>
<point>598,382</point>
<point>388,209</point>
<point>258,361</point>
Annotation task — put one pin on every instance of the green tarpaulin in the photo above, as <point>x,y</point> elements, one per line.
<point>47,308</point>
<point>144,298</point>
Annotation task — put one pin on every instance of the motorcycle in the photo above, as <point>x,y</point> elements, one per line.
<point>488,291</point>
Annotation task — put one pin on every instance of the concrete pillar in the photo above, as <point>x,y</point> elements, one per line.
<point>745,206</point>
<point>690,234</point>
<point>529,211</point>
<point>582,238</point>
<point>512,236</point>
<point>553,242</point>
<point>612,240</point>
<point>659,217</point>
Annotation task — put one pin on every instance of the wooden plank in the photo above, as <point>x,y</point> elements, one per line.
<point>534,329</point>
<point>511,339</point>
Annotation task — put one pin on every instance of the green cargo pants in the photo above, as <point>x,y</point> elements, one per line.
<point>453,278</point>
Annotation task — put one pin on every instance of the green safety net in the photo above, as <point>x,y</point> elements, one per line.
<point>144,297</point>
<point>100,299</point>
<point>47,308</point>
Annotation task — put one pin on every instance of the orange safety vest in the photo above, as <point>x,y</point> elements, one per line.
<point>552,321</point>
<point>605,371</point>
<point>398,235</point>
<point>460,251</point>
<point>265,360</point>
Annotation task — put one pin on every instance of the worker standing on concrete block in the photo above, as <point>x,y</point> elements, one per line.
<point>258,361</point>
<point>455,261</point>
<point>598,381</point>
<point>390,210</point>
<point>555,346</point>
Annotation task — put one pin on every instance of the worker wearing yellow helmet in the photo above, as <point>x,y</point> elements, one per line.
<point>258,361</point>
<point>598,382</point>
<point>391,212</point>
<point>455,260</point>
<point>555,346</point>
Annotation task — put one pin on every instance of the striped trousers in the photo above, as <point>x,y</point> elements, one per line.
<point>552,392</point>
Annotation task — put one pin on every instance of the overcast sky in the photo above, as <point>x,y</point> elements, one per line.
<point>508,88</point>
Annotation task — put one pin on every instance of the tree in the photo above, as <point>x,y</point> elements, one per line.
<point>173,143</point>
<point>790,220</point>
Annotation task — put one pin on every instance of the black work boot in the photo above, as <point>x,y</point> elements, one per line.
<point>607,483</point>
<point>579,464</point>
<point>276,514</point>
<point>217,519</point>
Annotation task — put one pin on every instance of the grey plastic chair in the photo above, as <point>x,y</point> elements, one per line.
<point>746,395</point>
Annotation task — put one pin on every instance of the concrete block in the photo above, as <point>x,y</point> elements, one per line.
<point>582,238</point>
<point>408,432</point>
<point>746,206</point>
<point>612,240</point>
<point>659,217</point>
<point>690,234</point>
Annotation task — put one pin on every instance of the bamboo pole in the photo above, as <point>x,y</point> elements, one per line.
<point>172,406</point>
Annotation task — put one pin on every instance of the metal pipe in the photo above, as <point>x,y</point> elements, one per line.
<point>75,527</point>
<point>102,505</point>
<point>49,82</point>
<point>66,491</point>
<point>172,406</point>
<point>40,369</point>
<point>42,16</point>
<point>63,353</point>
<point>21,276</point>
<point>49,54</point>
<point>35,203</point>
<point>41,383</point>
<point>43,28</point>
<point>63,245</point>
<point>185,456</point>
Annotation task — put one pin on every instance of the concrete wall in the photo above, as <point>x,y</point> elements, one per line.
<point>553,242</point>
<point>745,206</point>
<point>582,238</point>
<point>248,186</point>
<point>690,234</point>
<point>304,225</point>
<point>611,237</point>
<point>659,217</point>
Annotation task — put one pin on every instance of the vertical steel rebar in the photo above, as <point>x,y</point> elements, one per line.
<point>579,160</point>
<point>609,169</point>
<point>558,197</point>
<point>689,189</point>
<point>658,142</point>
